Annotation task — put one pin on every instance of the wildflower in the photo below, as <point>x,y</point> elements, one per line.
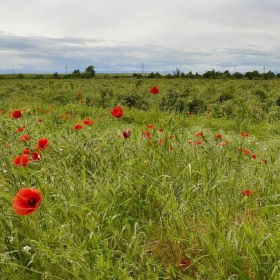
<point>87,121</point>
<point>154,90</point>
<point>160,129</point>
<point>198,134</point>
<point>150,126</point>
<point>147,134</point>
<point>265,161</point>
<point>161,142</point>
<point>185,262</point>
<point>190,141</point>
<point>26,248</point>
<point>36,156</point>
<point>247,192</point>
<point>21,160</point>
<point>117,112</point>
<point>42,144</point>
<point>244,134</point>
<point>126,133</point>
<point>198,142</point>
<point>253,156</point>
<point>27,201</point>
<point>24,137</point>
<point>224,143</point>
<point>26,151</point>
<point>20,129</point>
<point>77,127</point>
<point>16,114</point>
<point>245,151</point>
<point>218,136</point>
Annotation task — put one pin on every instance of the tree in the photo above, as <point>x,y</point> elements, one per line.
<point>89,72</point>
<point>252,75</point>
<point>55,75</point>
<point>177,72</point>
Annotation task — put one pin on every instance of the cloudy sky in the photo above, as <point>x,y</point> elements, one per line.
<point>134,35</point>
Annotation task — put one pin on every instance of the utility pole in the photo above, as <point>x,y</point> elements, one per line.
<point>66,69</point>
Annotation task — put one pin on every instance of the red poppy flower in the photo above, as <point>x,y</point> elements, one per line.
<point>198,142</point>
<point>21,160</point>
<point>198,134</point>
<point>36,156</point>
<point>154,90</point>
<point>147,134</point>
<point>24,137</point>
<point>26,151</point>
<point>150,126</point>
<point>218,136</point>
<point>185,262</point>
<point>20,129</point>
<point>77,126</point>
<point>253,156</point>
<point>87,121</point>
<point>126,133</point>
<point>42,144</point>
<point>27,201</point>
<point>244,134</point>
<point>160,129</point>
<point>117,112</point>
<point>161,142</point>
<point>245,151</point>
<point>247,193</point>
<point>16,114</point>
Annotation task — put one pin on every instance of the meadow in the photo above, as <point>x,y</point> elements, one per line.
<point>182,184</point>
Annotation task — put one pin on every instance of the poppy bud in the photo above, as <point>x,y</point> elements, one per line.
<point>126,133</point>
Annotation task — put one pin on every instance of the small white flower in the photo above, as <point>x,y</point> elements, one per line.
<point>26,248</point>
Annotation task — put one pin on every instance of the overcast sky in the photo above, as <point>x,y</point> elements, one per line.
<point>122,35</point>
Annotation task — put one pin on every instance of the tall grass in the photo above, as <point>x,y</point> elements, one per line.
<point>172,206</point>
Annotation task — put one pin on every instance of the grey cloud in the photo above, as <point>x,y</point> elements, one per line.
<point>37,53</point>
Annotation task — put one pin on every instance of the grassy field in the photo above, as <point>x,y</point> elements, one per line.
<point>191,193</point>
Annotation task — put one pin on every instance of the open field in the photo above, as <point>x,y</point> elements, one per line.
<point>191,193</point>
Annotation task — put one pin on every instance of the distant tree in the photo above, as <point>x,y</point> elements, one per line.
<point>20,76</point>
<point>190,75</point>
<point>226,74</point>
<point>210,74</point>
<point>76,74</point>
<point>252,75</point>
<point>269,75</point>
<point>55,75</point>
<point>89,72</point>
<point>237,75</point>
<point>177,73</point>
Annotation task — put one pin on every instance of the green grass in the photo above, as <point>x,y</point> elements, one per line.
<point>136,208</point>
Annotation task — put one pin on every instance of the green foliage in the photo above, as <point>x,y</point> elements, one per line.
<point>138,208</point>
